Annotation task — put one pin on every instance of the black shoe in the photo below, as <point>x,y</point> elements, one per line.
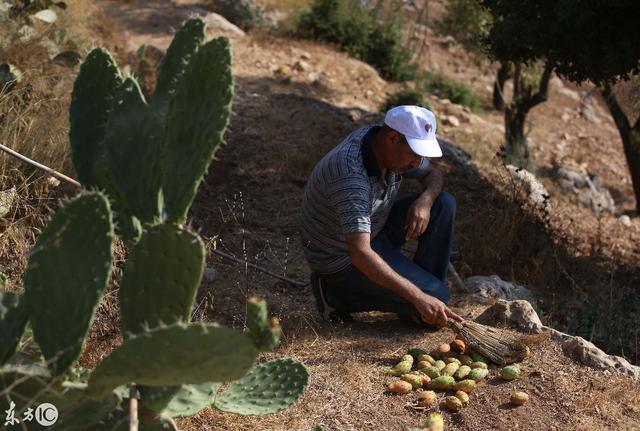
<point>327,312</point>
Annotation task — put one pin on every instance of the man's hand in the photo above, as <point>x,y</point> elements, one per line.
<point>434,311</point>
<point>418,218</point>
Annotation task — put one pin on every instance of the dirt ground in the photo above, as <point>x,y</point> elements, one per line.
<point>287,114</point>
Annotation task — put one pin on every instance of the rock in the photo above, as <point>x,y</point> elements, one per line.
<point>587,113</point>
<point>565,117</point>
<point>625,220</point>
<point>305,55</point>
<point>284,71</point>
<point>27,33</point>
<point>301,66</point>
<point>519,314</point>
<point>490,288</point>
<point>586,187</point>
<point>452,120</point>
<point>538,193</point>
<point>246,14</point>
<point>7,199</point>
<point>572,94</point>
<point>459,156</point>
<point>588,354</point>
<point>218,23</point>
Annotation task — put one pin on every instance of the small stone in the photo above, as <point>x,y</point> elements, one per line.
<point>565,117</point>
<point>625,220</point>
<point>452,120</point>
<point>209,275</point>
<point>301,66</point>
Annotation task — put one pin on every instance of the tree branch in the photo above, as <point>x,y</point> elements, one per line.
<point>543,92</point>
<point>623,123</point>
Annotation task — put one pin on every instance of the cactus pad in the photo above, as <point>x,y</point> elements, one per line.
<point>196,121</point>
<point>13,319</point>
<point>161,278</point>
<point>268,388</point>
<point>191,399</point>
<point>173,355</point>
<point>91,101</point>
<point>68,271</point>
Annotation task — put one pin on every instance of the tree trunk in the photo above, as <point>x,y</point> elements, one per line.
<point>504,73</point>
<point>630,139</point>
<point>515,115</point>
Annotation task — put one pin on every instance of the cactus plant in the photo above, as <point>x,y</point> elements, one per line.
<point>149,158</point>
<point>67,274</point>
<point>268,388</point>
<point>13,319</point>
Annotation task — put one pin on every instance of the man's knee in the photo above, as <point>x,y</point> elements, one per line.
<point>446,204</point>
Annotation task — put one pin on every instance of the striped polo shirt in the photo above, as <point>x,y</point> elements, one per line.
<point>344,194</point>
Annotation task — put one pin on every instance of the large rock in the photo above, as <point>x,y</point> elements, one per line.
<point>519,314</point>
<point>588,354</point>
<point>586,187</point>
<point>458,155</point>
<point>486,289</point>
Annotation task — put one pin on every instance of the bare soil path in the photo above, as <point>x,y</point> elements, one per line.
<point>293,101</point>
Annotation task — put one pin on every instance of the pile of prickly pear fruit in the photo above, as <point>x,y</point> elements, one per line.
<point>141,163</point>
<point>453,369</point>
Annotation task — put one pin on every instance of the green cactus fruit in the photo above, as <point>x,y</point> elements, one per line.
<point>452,360</point>
<point>173,355</point>
<point>462,372</point>
<point>442,383</point>
<point>266,389</point>
<point>257,317</point>
<point>183,46</point>
<point>13,319</point>
<point>432,372</point>
<point>62,298</point>
<point>414,379</point>
<point>450,369</point>
<point>196,121</point>
<point>440,365</point>
<point>463,397</point>
<point>466,360</point>
<point>407,358</point>
<point>416,352</point>
<point>479,364</point>
<point>435,422</point>
<point>510,372</point>
<point>190,399</point>
<point>478,357</point>
<point>452,403</point>
<point>402,367</point>
<point>91,102</point>
<point>161,278</point>
<point>270,337</point>
<point>133,148</point>
<point>426,358</point>
<point>466,385</point>
<point>478,374</point>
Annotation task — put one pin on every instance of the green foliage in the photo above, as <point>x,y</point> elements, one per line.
<point>468,22</point>
<point>405,97</point>
<point>244,13</point>
<point>149,158</point>
<point>587,40</point>
<point>447,88</point>
<point>363,33</point>
<point>62,297</point>
<point>268,388</point>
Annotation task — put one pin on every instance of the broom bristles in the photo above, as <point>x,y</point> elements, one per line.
<point>496,345</point>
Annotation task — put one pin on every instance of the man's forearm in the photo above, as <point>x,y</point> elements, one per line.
<point>432,184</point>
<point>379,271</point>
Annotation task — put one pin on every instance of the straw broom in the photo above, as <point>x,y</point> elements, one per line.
<point>496,345</point>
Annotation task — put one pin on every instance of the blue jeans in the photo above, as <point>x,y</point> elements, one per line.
<point>350,291</point>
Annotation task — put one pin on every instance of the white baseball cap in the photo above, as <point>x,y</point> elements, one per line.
<point>418,125</point>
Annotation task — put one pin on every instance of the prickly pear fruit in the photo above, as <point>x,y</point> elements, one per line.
<point>407,358</point>
<point>432,372</point>
<point>453,403</point>
<point>458,346</point>
<point>427,399</point>
<point>435,422</point>
<point>443,349</point>
<point>400,387</point>
<point>510,372</point>
<point>477,374</point>
<point>423,365</point>
<point>440,365</point>
<point>442,383</point>
<point>519,398</point>
<point>466,360</point>
<point>463,397</point>
<point>402,367</point>
<point>425,379</point>
<point>466,385</point>
<point>462,372</point>
<point>427,358</point>
<point>479,364</point>
<point>478,357</point>
<point>451,359</point>
<point>450,369</point>
<point>416,352</point>
<point>413,379</point>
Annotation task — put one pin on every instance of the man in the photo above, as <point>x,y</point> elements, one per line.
<point>352,226</point>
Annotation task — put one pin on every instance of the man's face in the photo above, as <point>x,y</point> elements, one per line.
<point>403,158</point>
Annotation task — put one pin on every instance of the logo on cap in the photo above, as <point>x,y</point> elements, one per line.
<point>428,127</point>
